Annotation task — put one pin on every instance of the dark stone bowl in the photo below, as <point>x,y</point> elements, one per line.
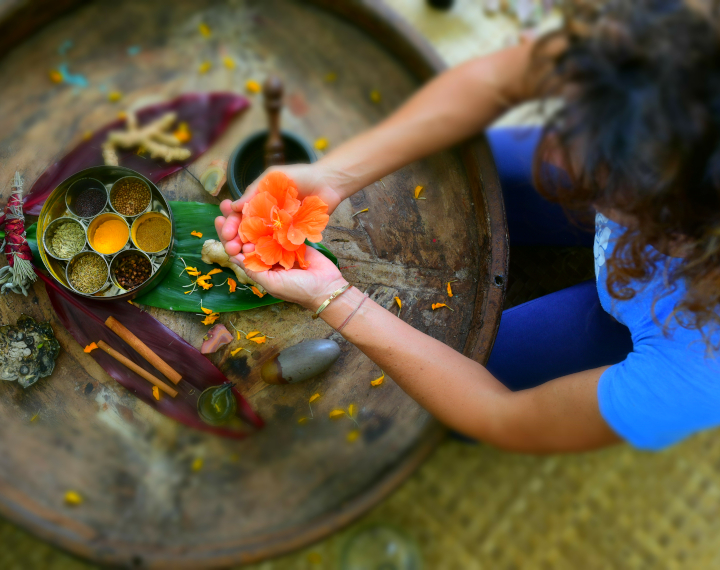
<point>247,161</point>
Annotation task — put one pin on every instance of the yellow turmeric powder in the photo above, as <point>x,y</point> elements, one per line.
<point>110,236</point>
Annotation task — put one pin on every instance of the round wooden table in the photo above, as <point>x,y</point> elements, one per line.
<point>144,505</point>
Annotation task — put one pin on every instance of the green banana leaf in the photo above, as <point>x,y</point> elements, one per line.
<point>170,292</point>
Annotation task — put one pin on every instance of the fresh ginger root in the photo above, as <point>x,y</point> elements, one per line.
<point>153,137</point>
<point>214,252</point>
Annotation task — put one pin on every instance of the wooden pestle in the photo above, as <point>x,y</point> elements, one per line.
<point>274,145</point>
<point>142,349</point>
<point>135,368</point>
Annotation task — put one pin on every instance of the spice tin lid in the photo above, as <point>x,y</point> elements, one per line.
<point>86,190</point>
<point>112,229</point>
<point>139,243</point>
<point>51,233</point>
<point>130,196</point>
<point>96,280</point>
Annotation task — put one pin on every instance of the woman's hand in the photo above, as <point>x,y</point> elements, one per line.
<point>311,180</point>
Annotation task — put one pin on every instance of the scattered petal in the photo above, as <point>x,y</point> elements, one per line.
<point>204,67</point>
<point>182,133</point>
<point>234,352</point>
<point>114,96</point>
<point>73,498</point>
<point>32,419</point>
<point>259,339</point>
<point>257,291</point>
<point>252,334</point>
<point>214,271</point>
<point>330,77</point>
<point>238,334</point>
<point>336,414</point>
<point>204,30</point>
<point>418,189</point>
<point>314,397</point>
<point>252,86</point>
<point>375,96</point>
<point>399,302</point>
<point>321,144</point>
<point>303,420</point>
<point>378,381</point>
<point>87,135</point>
<point>353,435</point>
<point>351,410</point>
<point>90,347</point>
<point>55,76</point>
<point>449,289</point>
<point>229,62</point>
<point>122,115</point>
<point>197,464</point>
<point>210,319</point>
<point>156,392</point>
<point>187,292</point>
<point>360,212</point>
<point>436,306</point>
<point>232,284</point>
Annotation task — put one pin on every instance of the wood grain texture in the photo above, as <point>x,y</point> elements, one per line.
<point>291,484</point>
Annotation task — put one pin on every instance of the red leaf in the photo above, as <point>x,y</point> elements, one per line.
<point>85,320</point>
<point>207,116</point>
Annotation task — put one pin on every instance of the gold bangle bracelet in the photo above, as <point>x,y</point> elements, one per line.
<point>335,295</point>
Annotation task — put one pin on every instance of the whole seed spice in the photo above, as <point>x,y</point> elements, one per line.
<point>88,273</point>
<point>132,271</point>
<point>68,239</point>
<point>90,202</point>
<point>130,197</point>
<point>153,234</point>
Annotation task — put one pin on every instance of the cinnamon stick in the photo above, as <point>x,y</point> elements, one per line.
<point>142,349</point>
<point>135,368</point>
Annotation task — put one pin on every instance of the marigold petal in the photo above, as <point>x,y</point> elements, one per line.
<point>232,284</point>
<point>254,263</point>
<point>214,271</point>
<point>378,381</point>
<point>269,250</point>
<point>90,347</point>
<point>337,414</point>
<point>252,334</point>
<point>259,339</point>
<point>206,311</point>
<point>314,397</point>
<point>73,498</point>
<point>257,291</point>
<point>196,234</point>
<point>156,392</point>
<point>353,435</point>
<point>449,290</point>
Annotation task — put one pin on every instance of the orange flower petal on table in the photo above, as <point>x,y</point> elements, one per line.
<point>252,334</point>
<point>309,221</point>
<point>258,339</point>
<point>254,263</point>
<point>156,392</point>
<point>90,347</point>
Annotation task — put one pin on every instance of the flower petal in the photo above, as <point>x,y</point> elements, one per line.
<point>260,207</point>
<point>300,255</point>
<point>309,221</point>
<point>283,189</point>
<point>254,263</point>
<point>269,250</point>
<point>288,259</point>
<point>252,229</point>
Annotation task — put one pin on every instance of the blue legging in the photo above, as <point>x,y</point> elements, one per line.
<point>561,333</point>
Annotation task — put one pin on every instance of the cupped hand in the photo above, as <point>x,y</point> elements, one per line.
<point>310,179</point>
<point>308,287</point>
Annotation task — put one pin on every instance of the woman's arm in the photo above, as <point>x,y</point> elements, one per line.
<point>560,415</point>
<point>452,107</point>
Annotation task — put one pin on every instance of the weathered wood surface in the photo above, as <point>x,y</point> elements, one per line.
<point>290,484</point>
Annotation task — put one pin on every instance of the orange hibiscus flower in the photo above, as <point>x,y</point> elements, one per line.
<point>278,224</point>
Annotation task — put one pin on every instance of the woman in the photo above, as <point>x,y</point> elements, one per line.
<point>630,357</point>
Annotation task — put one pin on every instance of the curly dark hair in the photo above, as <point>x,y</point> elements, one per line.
<point>639,129</point>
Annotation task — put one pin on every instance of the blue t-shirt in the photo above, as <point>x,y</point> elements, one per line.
<point>668,387</point>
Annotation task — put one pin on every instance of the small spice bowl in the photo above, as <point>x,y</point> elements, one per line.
<point>130,196</point>
<point>51,232</point>
<point>139,238</point>
<point>86,198</point>
<point>117,224</point>
<point>87,273</point>
<point>119,266</point>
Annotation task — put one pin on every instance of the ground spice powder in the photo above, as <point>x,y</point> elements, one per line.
<point>110,236</point>
<point>153,234</point>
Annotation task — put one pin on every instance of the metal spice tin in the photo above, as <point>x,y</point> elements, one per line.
<point>56,207</point>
